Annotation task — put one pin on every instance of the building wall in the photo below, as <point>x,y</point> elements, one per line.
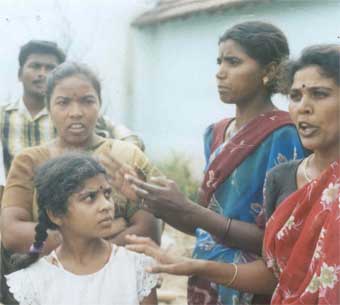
<point>97,33</point>
<point>172,90</point>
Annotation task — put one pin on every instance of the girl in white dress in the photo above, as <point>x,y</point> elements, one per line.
<point>74,197</point>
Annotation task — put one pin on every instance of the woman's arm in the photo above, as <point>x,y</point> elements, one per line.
<point>141,223</point>
<point>252,277</point>
<point>18,231</point>
<point>164,199</point>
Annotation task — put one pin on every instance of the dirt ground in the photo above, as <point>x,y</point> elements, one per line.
<point>174,288</point>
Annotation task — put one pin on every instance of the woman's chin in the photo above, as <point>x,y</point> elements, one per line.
<point>227,101</point>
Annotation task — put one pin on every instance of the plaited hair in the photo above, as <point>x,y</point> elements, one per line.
<point>55,181</point>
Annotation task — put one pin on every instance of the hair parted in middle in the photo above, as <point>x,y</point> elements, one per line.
<point>69,69</point>
<point>263,42</point>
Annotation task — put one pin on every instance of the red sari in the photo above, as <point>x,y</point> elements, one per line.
<point>302,243</point>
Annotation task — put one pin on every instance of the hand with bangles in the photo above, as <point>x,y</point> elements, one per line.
<point>160,196</point>
<point>166,262</point>
<point>222,273</point>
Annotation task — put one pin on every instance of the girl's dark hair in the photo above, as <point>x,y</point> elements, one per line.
<point>263,42</point>
<point>68,69</point>
<point>325,56</point>
<point>55,181</point>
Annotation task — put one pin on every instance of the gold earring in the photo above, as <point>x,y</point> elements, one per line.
<point>265,80</point>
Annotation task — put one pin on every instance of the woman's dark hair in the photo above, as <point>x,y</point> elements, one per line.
<point>263,42</point>
<point>68,69</point>
<point>55,181</point>
<point>325,56</point>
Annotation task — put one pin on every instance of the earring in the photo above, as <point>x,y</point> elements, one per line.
<point>265,80</point>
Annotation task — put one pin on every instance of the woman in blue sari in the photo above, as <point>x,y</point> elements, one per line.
<point>239,151</point>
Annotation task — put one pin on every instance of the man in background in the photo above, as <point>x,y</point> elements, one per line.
<point>26,122</point>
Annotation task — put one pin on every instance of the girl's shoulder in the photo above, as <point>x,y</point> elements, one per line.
<point>24,284</point>
<point>144,280</point>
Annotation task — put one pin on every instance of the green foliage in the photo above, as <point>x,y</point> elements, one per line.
<point>177,168</point>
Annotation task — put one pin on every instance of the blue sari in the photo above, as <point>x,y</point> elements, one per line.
<point>240,197</point>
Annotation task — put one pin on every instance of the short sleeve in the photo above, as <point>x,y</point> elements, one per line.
<point>145,281</point>
<point>20,285</point>
<point>106,128</point>
<point>19,187</point>
<point>269,195</point>
<point>285,146</point>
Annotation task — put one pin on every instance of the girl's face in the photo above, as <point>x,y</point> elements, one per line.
<point>315,109</point>
<point>90,212</point>
<point>74,109</point>
<point>239,77</point>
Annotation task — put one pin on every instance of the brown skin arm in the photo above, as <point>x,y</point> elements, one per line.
<point>166,201</point>
<point>252,277</point>
<point>18,231</point>
<point>141,223</point>
<point>151,299</point>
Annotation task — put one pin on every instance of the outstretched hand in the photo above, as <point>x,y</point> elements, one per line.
<point>166,262</point>
<point>116,171</point>
<point>160,195</point>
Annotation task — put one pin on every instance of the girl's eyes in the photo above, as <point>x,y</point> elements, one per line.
<point>319,94</point>
<point>295,96</point>
<point>90,197</point>
<point>108,194</point>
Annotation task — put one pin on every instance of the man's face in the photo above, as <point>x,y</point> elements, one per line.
<point>34,71</point>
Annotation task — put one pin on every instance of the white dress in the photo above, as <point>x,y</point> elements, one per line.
<point>122,281</point>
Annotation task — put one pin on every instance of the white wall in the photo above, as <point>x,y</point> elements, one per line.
<point>174,92</point>
<point>96,32</point>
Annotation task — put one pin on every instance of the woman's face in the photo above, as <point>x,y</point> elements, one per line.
<point>74,109</point>
<point>315,109</point>
<point>90,211</point>
<point>239,77</point>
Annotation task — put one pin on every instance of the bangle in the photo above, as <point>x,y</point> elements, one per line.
<point>226,229</point>
<point>234,276</point>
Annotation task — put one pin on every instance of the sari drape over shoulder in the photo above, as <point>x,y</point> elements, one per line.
<point>302,243</point>
<point>232,187</point>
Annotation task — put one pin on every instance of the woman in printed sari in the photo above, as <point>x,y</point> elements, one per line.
<point>239,151</point>
<point>301,245</point>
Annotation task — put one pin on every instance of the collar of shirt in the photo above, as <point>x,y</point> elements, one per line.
<point>21,108</point>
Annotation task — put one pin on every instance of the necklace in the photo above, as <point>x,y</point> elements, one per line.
<point>305,167</point>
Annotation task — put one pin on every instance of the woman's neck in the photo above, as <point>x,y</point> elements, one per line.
<point>62,145</point>
<point>320,160</point>
<point>245,112</point>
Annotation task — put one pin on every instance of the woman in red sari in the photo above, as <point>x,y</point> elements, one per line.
<point>301,262</point>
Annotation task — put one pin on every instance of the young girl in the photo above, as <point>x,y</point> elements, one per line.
<point>74,197</point>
